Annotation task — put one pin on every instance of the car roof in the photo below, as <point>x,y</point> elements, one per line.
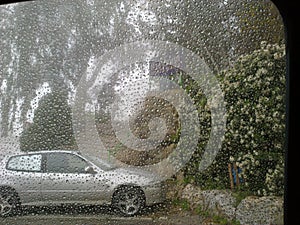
<point>42,152</point>
<point>55,150</point>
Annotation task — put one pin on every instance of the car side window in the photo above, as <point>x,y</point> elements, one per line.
<point>29,163</point>
<point>65,163</point>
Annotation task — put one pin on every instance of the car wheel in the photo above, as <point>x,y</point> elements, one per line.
<point>8,201</point>
<point>128,200</point>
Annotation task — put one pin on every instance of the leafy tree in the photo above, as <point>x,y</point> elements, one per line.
<point>255,93</point>
<point>52,125</point>
<point>255,137</point>
<point>257,20</point>
<point>51,42</point>
<point>54,41</point>
<point>220,31</point>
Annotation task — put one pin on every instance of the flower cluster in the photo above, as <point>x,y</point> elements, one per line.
<point>275,179</point>
<point>255,96</point>
<point>255,90</point>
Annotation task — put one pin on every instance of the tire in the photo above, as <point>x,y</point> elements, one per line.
<point>9,202</point>
<point>128,201</point>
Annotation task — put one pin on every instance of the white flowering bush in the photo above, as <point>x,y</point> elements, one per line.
<point>255,137</point>
<point>275,179</point>
<point>255,132</point>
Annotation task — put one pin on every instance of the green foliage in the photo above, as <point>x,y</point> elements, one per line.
<point>215,218</point>
<point>183,204</point>
<point>257,21</point>
<point>200,101</point>
<point>255,133</point>
<point>239,195</point>
<point>255,137</point>
<point>201,212</point>
<point>224,221</point>
<point>52,125</point>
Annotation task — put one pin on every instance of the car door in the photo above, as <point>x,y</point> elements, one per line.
<point>24,174</point>
<point>65,180</point>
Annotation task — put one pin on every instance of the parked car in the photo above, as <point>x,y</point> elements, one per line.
<point>62,177</point>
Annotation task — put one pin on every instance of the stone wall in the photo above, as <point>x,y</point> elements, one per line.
<point>264,210</point>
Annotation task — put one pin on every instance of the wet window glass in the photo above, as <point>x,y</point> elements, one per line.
<point>29,163</point>
<point>65,163</point>
<point>160,112</point>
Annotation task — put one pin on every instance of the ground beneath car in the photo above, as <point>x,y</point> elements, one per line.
<point>162,214</point>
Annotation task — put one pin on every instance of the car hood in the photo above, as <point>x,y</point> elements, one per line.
<point>133,175</point>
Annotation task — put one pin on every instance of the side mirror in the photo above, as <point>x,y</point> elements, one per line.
<point>90,170</point>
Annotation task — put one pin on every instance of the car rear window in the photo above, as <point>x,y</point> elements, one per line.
<point>29,163</point>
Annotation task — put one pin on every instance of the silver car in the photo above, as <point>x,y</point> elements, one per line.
<point>62,177</point>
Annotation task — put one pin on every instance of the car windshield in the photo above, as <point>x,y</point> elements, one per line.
<point>100,163</point>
